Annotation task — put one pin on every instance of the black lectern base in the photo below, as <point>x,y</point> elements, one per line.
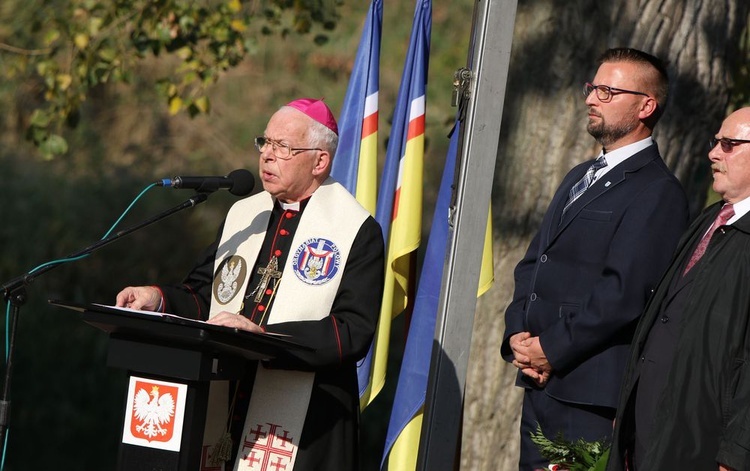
<point>136,458</point>
<point>169,357</point>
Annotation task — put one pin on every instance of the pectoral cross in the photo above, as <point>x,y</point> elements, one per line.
<point>268,272</point>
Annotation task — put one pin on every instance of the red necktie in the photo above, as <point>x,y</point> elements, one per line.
<point>726,213</point>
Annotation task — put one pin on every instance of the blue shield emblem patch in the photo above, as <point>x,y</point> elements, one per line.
<point>316,261</point>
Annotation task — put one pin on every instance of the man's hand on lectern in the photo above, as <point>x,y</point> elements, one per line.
<point>237,321</point>
<point>146,298</point>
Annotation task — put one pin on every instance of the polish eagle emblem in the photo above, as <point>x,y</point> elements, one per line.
<point>153,412</point>
<point>227,280</point>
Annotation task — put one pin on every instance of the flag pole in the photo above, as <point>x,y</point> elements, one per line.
<point>488,64</point>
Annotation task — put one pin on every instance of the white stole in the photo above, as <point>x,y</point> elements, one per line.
<point>311,277</point>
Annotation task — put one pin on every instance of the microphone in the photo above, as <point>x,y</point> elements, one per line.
<point>239,182</point>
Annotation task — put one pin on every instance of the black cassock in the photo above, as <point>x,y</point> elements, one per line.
<point>330,436</point>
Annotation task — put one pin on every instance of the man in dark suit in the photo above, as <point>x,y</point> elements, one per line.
<point>685,401</point>
<point>605,240</point>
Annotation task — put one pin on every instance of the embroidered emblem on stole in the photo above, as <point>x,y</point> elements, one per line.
<point>316,261</point>
<point>228,278</point>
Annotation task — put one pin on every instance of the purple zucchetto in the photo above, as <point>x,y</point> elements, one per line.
<point>317,110</point>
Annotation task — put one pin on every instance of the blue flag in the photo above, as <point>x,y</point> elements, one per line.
<point>356,163</point>
<point>399,208</point>
<point>415,366</point>
<point>355,166</point>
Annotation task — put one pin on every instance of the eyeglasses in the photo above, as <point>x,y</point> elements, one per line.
<point>727,144</point>
<point>605,93</point>
<point>280,150</point>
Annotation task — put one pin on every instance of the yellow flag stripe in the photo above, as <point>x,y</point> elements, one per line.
<point>487,272</point>
<point>367,185</point>
<point>403,455</point>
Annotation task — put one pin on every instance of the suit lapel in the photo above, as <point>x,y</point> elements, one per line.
<point>609,181</point>
<point>551,224</point>
<point>560,198</point>
<point>683,252</point>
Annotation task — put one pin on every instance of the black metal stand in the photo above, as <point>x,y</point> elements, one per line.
<point>14,292</point>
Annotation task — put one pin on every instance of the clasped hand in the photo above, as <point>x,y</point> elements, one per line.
<point>530,358</point>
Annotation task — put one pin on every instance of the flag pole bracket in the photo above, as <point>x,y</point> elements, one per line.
<point>461,86</point>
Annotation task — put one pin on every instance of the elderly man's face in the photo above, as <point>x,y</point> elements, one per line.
<point>293,179</point>
<point>731,170</point>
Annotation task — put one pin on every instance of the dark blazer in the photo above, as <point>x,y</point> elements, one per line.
<point>586,277</point>
<point>702,417</point>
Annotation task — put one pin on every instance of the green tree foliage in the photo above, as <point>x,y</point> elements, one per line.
<point>66,48</point>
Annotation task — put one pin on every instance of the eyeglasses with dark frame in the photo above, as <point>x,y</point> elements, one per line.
<point>727,143</point>
<point>605,93</point>
<point>279,149</point>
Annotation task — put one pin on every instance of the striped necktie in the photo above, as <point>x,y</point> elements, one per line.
<point>585,182</point>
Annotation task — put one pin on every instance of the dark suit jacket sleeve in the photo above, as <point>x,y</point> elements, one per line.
<point>734,445</point>
<point>344,335</point>
<point>515,314</point>
<point>639,252</point>
<point>516,311</point>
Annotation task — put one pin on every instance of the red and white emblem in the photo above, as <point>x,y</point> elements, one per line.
<point>316,261</point>
<point>155,413</point>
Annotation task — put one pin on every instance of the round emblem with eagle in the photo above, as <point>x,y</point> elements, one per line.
<point>229,277</point>
<point>316,261</point>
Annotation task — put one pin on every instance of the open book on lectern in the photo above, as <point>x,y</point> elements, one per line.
<point>174,318</point>
<point>132,322</point>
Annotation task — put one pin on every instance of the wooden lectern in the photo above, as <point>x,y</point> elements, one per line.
<point>180,356</point>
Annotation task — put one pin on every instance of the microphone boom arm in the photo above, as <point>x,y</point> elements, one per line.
<point>14,292</point>
<point>13,285</point>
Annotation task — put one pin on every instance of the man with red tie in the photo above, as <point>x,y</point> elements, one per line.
<point>685,402</point>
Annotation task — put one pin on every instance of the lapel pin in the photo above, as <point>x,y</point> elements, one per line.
<point>607,184</point>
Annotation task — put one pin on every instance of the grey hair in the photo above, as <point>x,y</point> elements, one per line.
<point>319,135</point>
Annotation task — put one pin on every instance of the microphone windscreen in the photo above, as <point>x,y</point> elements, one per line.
<point>243,182</point>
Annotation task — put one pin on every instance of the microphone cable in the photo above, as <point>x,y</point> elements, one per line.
<point>56,262</point>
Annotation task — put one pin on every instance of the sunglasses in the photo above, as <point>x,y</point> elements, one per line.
<point>727,144</point>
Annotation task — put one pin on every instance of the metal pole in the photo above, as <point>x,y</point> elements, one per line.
<point>488,64</point>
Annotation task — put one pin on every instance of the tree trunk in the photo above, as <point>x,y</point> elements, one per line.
<point>543,135</point>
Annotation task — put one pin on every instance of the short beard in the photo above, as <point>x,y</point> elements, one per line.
<point>607,135</point>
